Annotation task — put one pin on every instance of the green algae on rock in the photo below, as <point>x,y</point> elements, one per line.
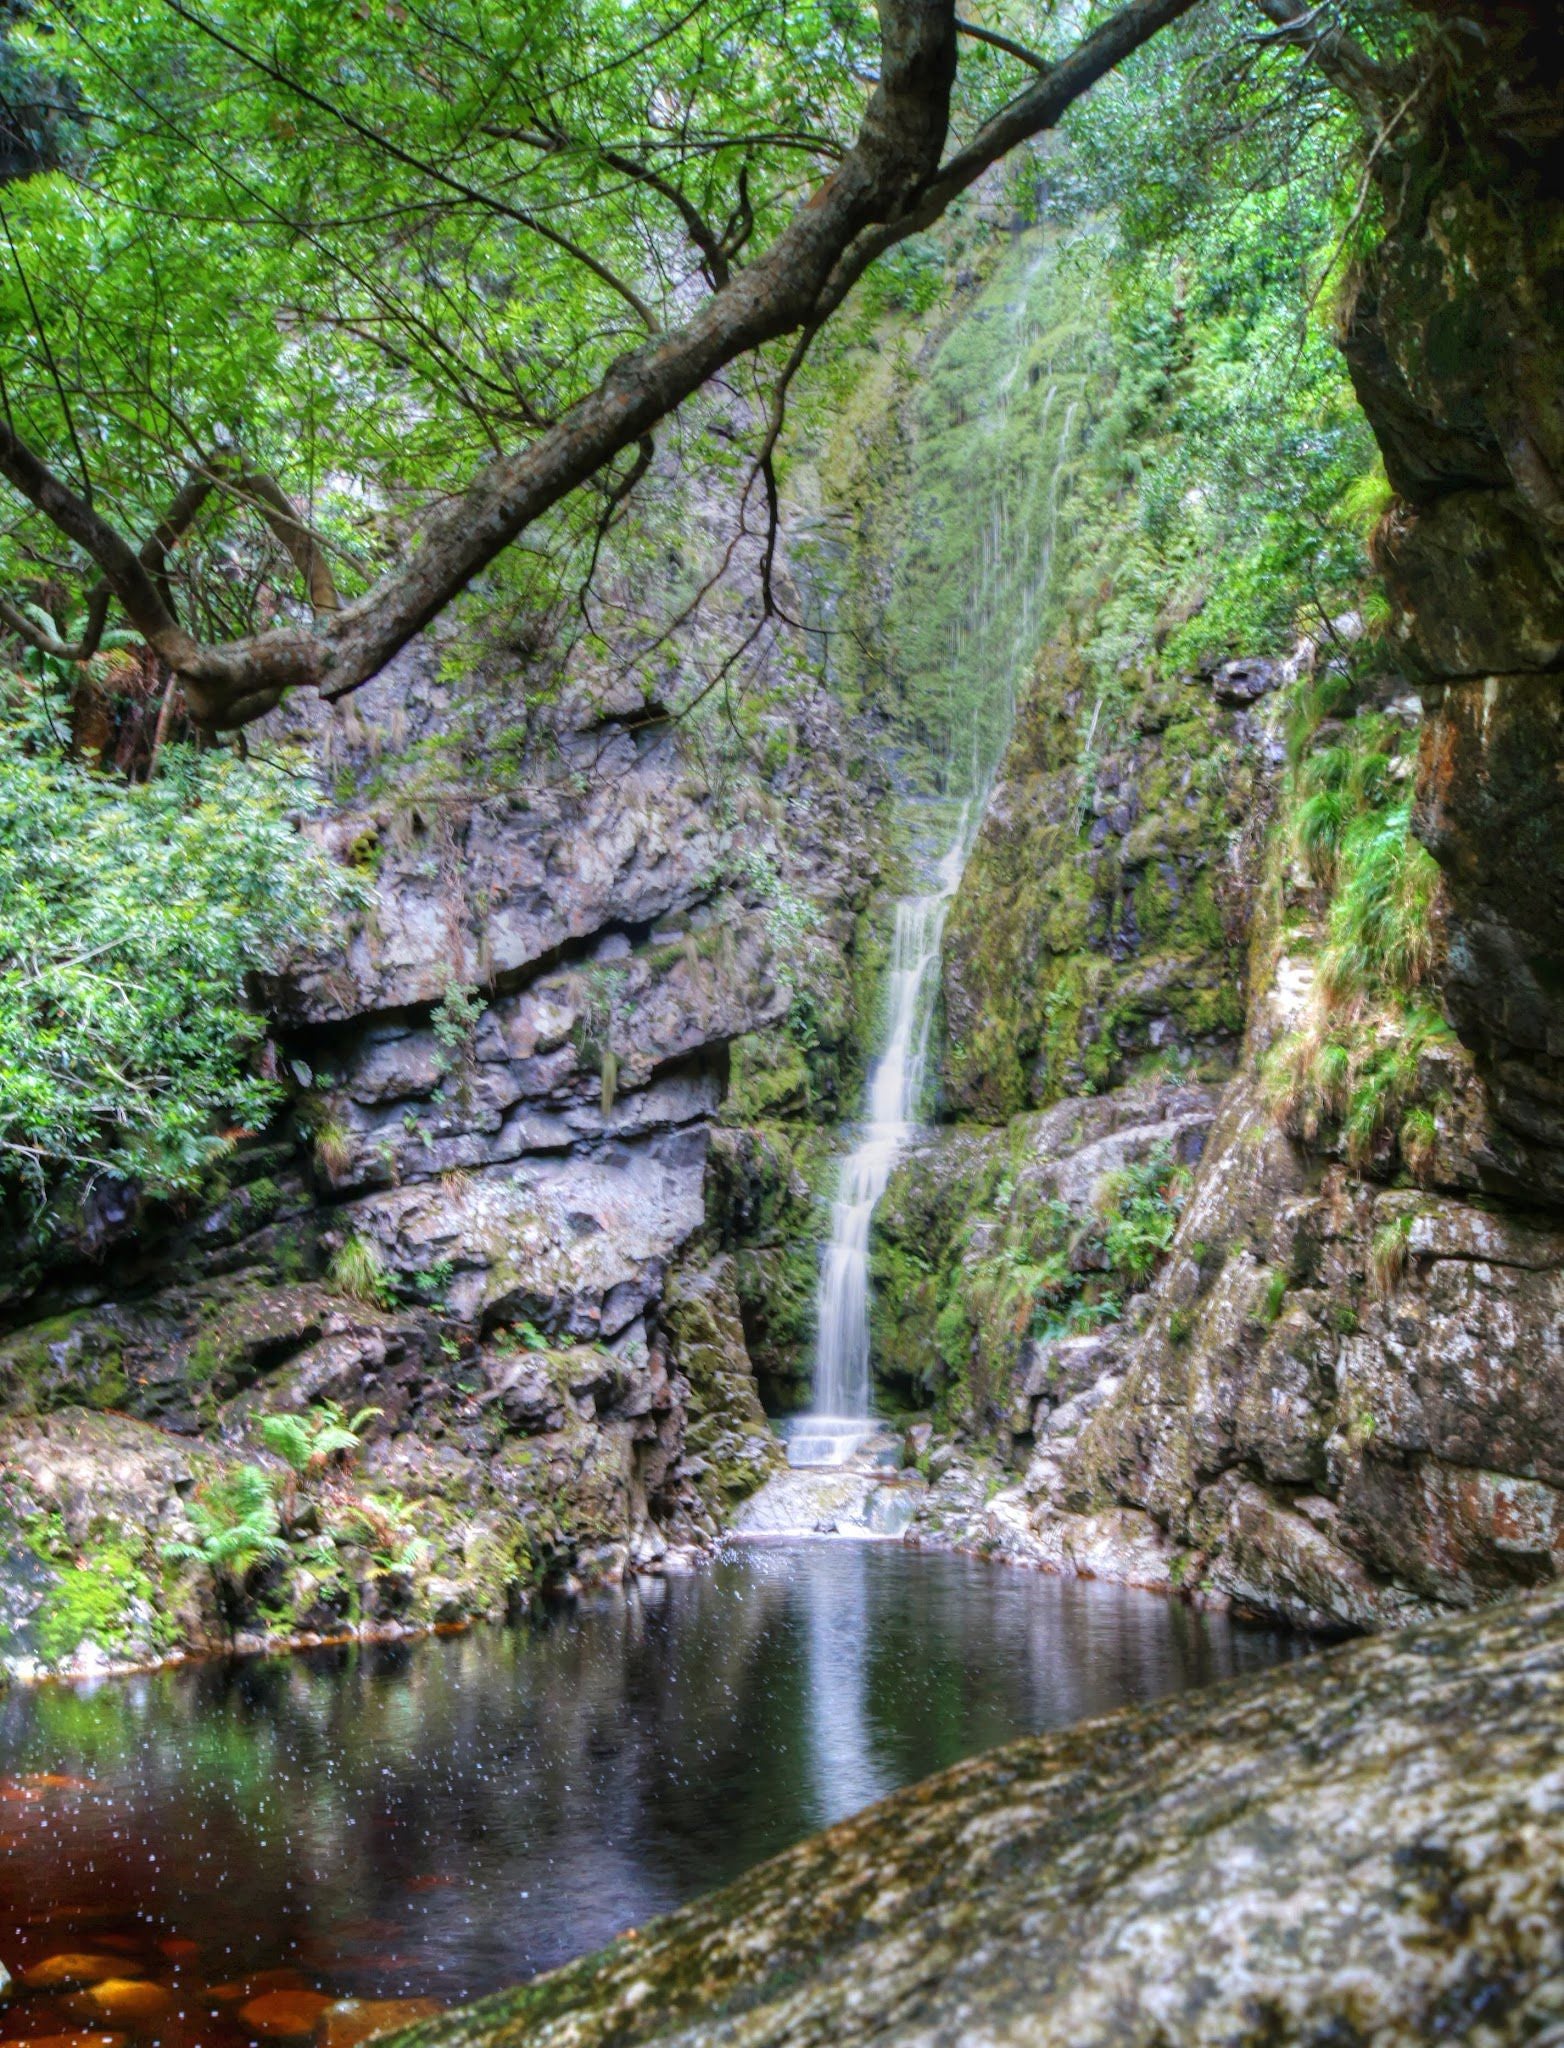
<point>1367,1846</point>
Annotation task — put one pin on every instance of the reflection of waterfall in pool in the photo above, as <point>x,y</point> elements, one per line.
<point>848,1762</point>
<point>1006,570</point>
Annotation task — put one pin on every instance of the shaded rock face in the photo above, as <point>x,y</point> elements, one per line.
<point>1346,1402</point>
<point>971,1208</point>
<point>1337,1400</point>
<point>1455,340</point>
<point>485,1215</point>
<point>1100,919</point>
<point>1366,1845</point>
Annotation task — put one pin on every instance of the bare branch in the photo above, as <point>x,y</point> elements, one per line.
<point>1344,62</point>
<point>996,41</point>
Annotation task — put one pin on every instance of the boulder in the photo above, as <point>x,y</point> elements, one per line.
<point>1367,1844</point>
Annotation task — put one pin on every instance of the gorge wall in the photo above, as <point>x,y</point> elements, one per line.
<point>1341,1399</point>
<point>483,1216</point>
<point>1232,1260</point>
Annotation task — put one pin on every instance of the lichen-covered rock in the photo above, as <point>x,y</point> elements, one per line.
<point>1454,334</point>
<point>1099,920</point>
<point>988,1236</point>
<point>1345,1404</point>
<point>508,1066</point>
<point>1366,1845</point>
<point>729,1448</point>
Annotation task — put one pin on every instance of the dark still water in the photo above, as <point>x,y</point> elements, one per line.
<point>444,1817</point>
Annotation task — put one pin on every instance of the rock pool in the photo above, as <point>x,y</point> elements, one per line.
<point>437,1819</point>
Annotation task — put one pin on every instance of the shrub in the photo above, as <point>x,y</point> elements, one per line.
<point>320,1437</point>
<point>1388,1255</point>
<point>237,1527</point>
<point>130,920</point>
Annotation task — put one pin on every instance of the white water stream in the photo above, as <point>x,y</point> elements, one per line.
<point>839,1421</point>
<point>995,635</point>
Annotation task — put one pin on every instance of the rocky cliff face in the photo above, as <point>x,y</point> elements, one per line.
<point>1304,1360</point>
<point>1101,920</point>
<point>1454,337</point>
<point>484,1218</point>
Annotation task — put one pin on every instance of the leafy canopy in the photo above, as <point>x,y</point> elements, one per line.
<point>372,245</point>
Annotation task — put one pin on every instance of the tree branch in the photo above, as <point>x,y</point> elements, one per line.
<point>122,567</point>
<point>996,41</point>
<point>1344,62</point>
<point>888,184</point>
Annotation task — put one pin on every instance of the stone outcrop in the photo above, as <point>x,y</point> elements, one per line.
<point>484,1215</point>
<point>1454,336</point>
<point>1365,1845</point>
<point>1345,1401</point>
<point>978,1219</point>
<point>1101,918</point>
<point>1333,1391</point>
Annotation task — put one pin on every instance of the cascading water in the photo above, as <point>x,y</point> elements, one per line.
<point>838,1424</point>
<point>996,435</point>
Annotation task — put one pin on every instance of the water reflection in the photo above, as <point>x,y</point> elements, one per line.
<point>446,1817</point>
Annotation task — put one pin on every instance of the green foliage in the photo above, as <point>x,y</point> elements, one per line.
<point>1380,934</point>
<point>358,1270</point>
<point>333,1143</point>
<point>311,1442</point>
<point>1273,1298</point>
<point>1351,1070</point>
<point>367,249</point>
<point>1388,1254</point>
<point>1418,1139</point>
<point>1230,479</point>
<point>89,1602</point>
<point>237,1526</point>
<point>130,921</point>
<point>454,1021</point>
<point>1139,1206</point>
<point>996,1261</point>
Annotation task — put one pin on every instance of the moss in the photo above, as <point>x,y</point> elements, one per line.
<point>110,1600</point>
<point>768,1078</point>
<point>111,1383</point>
<point>75,1360</point>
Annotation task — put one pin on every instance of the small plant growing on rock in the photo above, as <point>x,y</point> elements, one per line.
<point>333,1148</point>
<point>311,1443</point>
<point>358,1271</point>
<point>1139,1207</point>
<point>454,1021</point>
<point>237,1527</point>
<point>1419,1139</point>
<point>1274,1296</point>
<point>1388,1255</point>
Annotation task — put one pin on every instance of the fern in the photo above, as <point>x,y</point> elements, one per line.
<point>309,1443</point>
<point>236,1525</point>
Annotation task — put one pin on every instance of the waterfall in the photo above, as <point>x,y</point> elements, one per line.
<point>1001,408</point>
<point>838,1421</point>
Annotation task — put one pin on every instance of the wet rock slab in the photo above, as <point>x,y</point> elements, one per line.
<point>1367,1846</point>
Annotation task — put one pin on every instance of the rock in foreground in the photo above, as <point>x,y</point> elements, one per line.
<point>1367,1846</point>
